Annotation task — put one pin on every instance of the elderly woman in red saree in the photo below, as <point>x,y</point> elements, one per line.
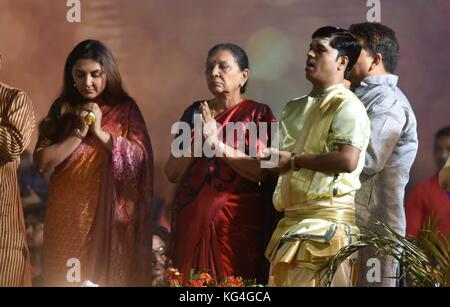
<point>219,219</point>
<point>94,139</point>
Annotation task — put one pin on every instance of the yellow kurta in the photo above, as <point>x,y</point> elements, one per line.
<point>319,207</point>
<point>348,124</point>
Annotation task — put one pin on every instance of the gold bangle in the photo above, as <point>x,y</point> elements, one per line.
<point>294,167</point>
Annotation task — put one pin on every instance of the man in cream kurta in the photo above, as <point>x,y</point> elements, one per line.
<point>324,136</point>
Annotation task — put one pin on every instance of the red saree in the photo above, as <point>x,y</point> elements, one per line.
<point>218,218</point>
<point>99,208</point>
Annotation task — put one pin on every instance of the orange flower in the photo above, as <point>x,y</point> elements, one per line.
<point>232,281</point>
<point>206,279</point>
<point>196,283</point>
<point>174,278</point>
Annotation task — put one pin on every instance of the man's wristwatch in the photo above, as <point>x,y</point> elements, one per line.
<point>294,167</point>
<point>77,133</point>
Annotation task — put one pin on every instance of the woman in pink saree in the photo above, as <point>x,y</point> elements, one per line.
<point>98,221</point>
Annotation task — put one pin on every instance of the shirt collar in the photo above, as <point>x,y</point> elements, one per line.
<point>325,91</point>
<point>389,79</point>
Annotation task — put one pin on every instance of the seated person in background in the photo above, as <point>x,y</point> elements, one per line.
<point>33,185</point>
<point>160,260</point>
<point>427,199</point>
<point>34,223</point>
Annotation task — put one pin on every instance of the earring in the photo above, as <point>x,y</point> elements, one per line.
<point>74,85</point>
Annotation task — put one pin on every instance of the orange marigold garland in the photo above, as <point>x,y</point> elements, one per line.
<point>204,279</point>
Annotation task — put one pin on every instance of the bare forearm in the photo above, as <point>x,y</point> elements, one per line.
<point>333,162</point>
<point>242,164</point>
<point>106,140</point>
<point>47,158</point>
<point>247,167</point>
<point>176,168</point>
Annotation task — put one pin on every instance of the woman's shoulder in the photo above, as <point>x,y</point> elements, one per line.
<point>128,104</point>
<point>195,104</point>
<point>194,107</point>
<point>188,113</point>
<point>259,107</point>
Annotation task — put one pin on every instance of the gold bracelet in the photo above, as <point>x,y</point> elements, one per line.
<point>294,167</point>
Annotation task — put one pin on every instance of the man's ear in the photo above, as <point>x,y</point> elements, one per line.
<point>377,60</point>
<point>343,62</point>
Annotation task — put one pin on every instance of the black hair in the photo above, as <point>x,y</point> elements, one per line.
<point>443,132</point>
<point>239,54</point>
<point>342,40</point>
<point>380,39</point>
<point>97,51</point>
<point>36,210</point>
<point>69,98</point>
<point>161,232</point>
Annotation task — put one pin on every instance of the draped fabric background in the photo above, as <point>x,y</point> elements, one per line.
<point>161,47</point>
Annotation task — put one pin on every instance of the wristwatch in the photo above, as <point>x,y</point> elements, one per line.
<point>294,167</point>
<point>77,133</point>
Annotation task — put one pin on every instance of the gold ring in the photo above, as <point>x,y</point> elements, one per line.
<point>89,119</point>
